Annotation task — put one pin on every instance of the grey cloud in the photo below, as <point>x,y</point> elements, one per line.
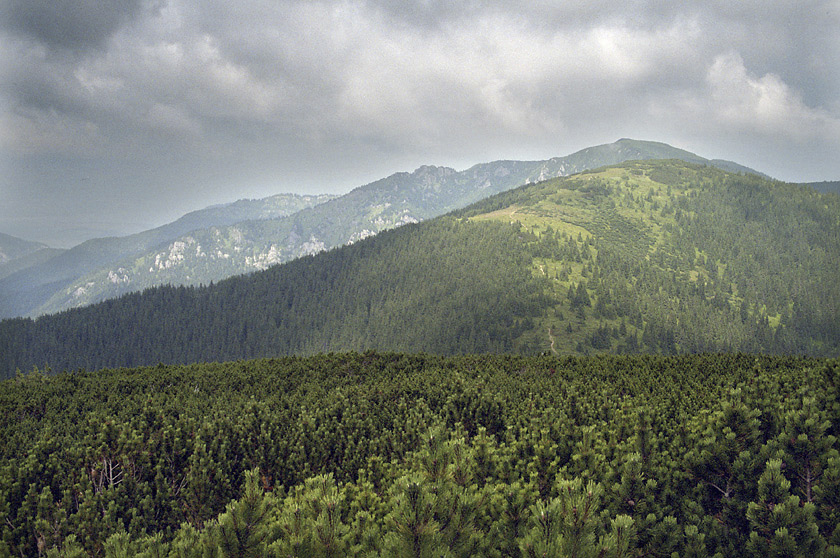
<point>322,68</point>
<point>70,24</point>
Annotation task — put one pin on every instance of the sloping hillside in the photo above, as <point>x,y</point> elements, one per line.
<point>17,253</point>
<point>645,256</point>
<point>688,258</point>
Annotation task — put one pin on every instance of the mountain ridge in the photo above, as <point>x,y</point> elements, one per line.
<point>826,186</point>
<point>12,247</point>
<point>17,254</point>
<point>107,268</point>
<point>27,289</point>
<point>646,256</point>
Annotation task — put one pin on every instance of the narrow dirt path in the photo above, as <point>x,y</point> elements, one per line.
<point>551,338</point>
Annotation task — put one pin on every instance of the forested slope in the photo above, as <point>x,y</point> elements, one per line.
<point>691,258</point>
<point>434,285</point>
<point>414,455</point>
<point>654,256</point>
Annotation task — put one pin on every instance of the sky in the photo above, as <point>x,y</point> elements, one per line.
<point>120,115</point>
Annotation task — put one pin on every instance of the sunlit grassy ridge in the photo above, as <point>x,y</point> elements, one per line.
<point>629,222</point>
<point>649,215</point>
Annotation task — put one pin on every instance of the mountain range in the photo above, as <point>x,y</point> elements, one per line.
<point>826,186</point>
<point>661,256</point>
<point>250,235</point>
<point>17,254</point>
<point>49,271</point>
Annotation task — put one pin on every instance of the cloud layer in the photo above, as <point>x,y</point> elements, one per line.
<point>142,110</point>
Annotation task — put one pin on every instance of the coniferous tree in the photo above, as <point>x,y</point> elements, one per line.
<point>413,531</point>
<point>806,447</point>
<point>725,463</point>
<point>780,526</point>
<point>567,525</point>
<point>243,529</point>
<point>512,510</point>
<point>620,542</point>
<point>68,548</point>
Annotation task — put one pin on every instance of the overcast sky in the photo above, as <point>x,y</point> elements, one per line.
<point>120,115</point>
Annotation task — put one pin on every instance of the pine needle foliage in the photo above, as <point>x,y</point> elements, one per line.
<point>395,454</point>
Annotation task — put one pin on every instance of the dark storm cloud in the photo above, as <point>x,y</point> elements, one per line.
<point>70,24</point>
<point>202,101</point>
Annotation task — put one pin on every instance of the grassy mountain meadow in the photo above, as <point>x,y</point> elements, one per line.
<point>645,256</point>
<point>251,235</point>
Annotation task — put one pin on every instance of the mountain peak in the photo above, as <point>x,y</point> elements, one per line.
<point>425,170</point>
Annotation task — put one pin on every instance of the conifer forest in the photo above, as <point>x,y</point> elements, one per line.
<point>389,454</point>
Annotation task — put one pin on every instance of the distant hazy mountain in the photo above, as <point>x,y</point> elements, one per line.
<point>12,248</point>
<point>826,186</point>
<point>645,256</point>
<point>195,251</point>
<point>26,290</point>
<point>17,253</point>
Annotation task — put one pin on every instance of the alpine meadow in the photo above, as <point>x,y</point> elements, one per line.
<point>638,360</point>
